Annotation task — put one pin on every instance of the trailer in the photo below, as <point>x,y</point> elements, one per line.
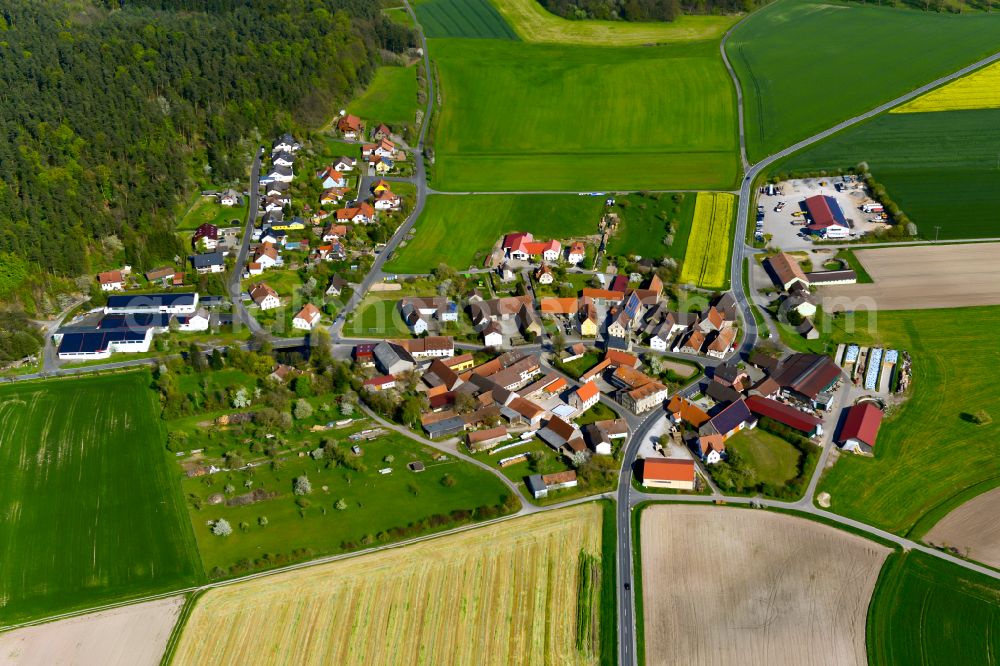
<point>872,207</point>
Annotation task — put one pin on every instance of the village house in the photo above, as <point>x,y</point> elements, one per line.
<point>349,126</point>
<point>523,247</point>
<point>264,296</point>
<point>558,433</point>
<point>601,435</point>
<point>207,235</point>
<point>336,286</point>
<point>380,383</point>
<point>381,131</point>
<point>163,274</point>
<point>345,164</point>
<point>111,281</point>
<point>211,262</point>
<point>386,200</point>
<point>286,144</point>
<point>681,410</point>
<point>430,347</point>
<point>334,232</point>
<point>577,252</point>
<point>229,198</point>
<point>727,422</point>
<point>544,275</point>
<point>330,177</point>
<point>265,256</point>
<point>585,397</point>
<point>673,473</point>
<point>363,213</point>
<point>307,318</point>
<point>710,448</point>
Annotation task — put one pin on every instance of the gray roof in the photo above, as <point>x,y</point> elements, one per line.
<point>446,426</point>
<point>535,484</point>
<point>207,260</point>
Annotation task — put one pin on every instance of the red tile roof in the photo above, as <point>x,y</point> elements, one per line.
<point>668,469</point>
<point>587,391</point>
<point>782,413</point>
<point>862,423</point>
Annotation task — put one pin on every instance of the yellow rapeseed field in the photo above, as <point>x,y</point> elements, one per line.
<point>979,90</point>
<point>707,251</point>
<point>533,23</point>
<point>502,594</point>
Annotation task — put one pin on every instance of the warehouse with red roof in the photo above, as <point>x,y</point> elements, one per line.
<point>808,424</point>
<point>826,217</point>
<point>860,428</point>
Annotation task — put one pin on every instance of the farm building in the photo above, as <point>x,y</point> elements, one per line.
<point>826,278</point>
<point>861,428</point>
<point>674,473</point>
<point>153,303</point>
<point>728,422</point>
<point>806,376</point>
<point>785,271</point>
<point>827,217</point>
<point>539,485</point>
<point>782,413</point>
<point>484,439</point>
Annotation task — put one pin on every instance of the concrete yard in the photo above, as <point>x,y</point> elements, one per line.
<point>925,276</point>
<point>743,586</point>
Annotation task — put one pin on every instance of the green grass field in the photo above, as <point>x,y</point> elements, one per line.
<point>378,317</point>
<point>376,503</point>
<point>928,611</point>
<point>775,460</point>
<point>462,18</point>
<point>519,116</point>
<point>91,512</point>
<point>943,169</point>
<point>806,65</point>
<point>206,210</point>
<point>922,457</point>
<point>390,98</point>
<point>644,225</point>
<point>459,230</point>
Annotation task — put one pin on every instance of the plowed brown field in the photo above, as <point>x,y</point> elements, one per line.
<point>972,528</point>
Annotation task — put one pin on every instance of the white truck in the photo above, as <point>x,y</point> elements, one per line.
<point>872,207</point>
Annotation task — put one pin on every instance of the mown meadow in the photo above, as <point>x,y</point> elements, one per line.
<point>942,168</point>
<point>806,65</point>
<point>391,97</point>
<point>91,509</point>
<point>530,590</point>
<point>928,450</point>
<point>928,611</point>
<point>459,230</point>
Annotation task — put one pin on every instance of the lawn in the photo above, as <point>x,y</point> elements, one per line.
<point>376,504</point>
<point>518,116</point>
<point>391,97</point>
<point>804,66</point>
<point>646,221</point>
<point>378,318</point>
<point>91,511</point>
<point>928,611</point>
<point>534,24</point>
<point>532,590</point>
<point>921,459</point>
<point>581,365</point>
<point>460,230</point>
<point>207,210</point>
<point>462,18</point>
<point>775,460</point>
<point>706,259</point>
<point>941,168</point>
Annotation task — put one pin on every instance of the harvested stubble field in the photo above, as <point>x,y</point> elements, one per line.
<point>706,260</point>
<point>134,635</point>
<point>738,586</point>
<point>979,90</point>
<point>922,277</point>
<point>972,528</point>
<point>502,594</point>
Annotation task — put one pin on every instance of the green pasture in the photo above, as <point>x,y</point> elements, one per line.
<point>924,454</point>
<point>928,611</point>
<point>775,460</point>
<point>462,18</point>
<point>207,210</point>
<point>645,221</point>
<point>806,65</point>
<point>459,230</point>
<point>91,512</point>
<point>943,168</point>
<point>376,503</point>
<point>391,97</point>
<point>378,318</point>
<point>528,117</point>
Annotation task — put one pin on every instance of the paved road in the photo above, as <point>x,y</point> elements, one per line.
<point>235,292</point>
<point>375,274</point>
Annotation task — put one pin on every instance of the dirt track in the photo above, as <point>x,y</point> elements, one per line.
<point>131,636</point>
<point>972,528</point>
<point>928,276</point>
<point>739,586</point>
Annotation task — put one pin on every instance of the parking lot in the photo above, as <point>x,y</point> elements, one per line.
<point>786,228</point>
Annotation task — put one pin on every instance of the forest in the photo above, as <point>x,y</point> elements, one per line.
<point>643,10</point>
<point>115,111</point>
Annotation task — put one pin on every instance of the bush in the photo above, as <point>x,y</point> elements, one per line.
<point>447,480</point>
<point>302,485</point>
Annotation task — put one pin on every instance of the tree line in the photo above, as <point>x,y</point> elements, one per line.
<point>643,10</point>
<point>115,112</point>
